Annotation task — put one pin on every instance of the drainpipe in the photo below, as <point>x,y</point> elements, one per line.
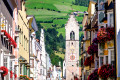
<point>115,45</point>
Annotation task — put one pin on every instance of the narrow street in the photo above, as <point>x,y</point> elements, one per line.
<point>59,40</point>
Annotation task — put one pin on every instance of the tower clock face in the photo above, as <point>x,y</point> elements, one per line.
<point>72,57</point>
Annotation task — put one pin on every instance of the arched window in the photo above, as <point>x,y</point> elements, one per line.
<point>72,36</point>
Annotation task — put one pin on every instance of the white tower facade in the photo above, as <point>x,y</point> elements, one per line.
<point>72,48</point>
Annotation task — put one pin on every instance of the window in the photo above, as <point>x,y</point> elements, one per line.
<point>87,72</point>
<point>5,61</point>
<point>21,67</point>
<point>40,71</point>
<point>87,35</point>
<point>111,20</point>
<point>95,34</point>
<point>24,41</point>
<point>10,65</point>
<point>32,63</point>
<point>72,36</point>
<point>101,61</point>
<point>9,29</point>
<point>26,44</point>
<point>20,36</point>
<point>83,46</point>
<point>101,16</point>
<point>96,64</point>
<point>101,4</point>
<point>43,72</point>
<point>106,59</point>
<point>84,59</point>
<point>81,62</point>
<point>112,57</point>
<point>40,56</point>
<point>101,46</point>
<point>6,26</point>
<point>15,69</point>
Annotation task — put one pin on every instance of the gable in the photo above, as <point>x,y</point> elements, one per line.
<point>72,22</point>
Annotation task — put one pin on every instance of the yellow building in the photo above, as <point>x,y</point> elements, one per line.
<point>86,42</point>
<point>23,26</point>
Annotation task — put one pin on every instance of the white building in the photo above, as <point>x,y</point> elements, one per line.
<point>8,53</point>
<point>33,53</point>
<point>56,73</point>
<point>49,68</point>
<point>43,57</point>
<point>64,69</point>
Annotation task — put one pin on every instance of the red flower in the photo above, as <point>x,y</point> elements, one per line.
<point>92,59</point>
<point>111,32</point>
<point>95,41</point>
<point>102,35</point>
<point>5,70</point>
<point>10,38</point>
<point>15,75</point>
<point>106,71</point>
<point>105,34</point>
<point>88,61</point>
<point>92,49</point>
<point>94,75</point>
<point>11,74</point>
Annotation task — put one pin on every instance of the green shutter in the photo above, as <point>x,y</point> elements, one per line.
<point>23,69</point>
<point>28,72</point>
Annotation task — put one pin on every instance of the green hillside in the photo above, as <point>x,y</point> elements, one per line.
<point>52,15</point>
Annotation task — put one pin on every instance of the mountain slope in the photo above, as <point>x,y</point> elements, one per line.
<point>52,15</point>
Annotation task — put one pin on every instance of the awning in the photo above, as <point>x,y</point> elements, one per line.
<point>10,38</point>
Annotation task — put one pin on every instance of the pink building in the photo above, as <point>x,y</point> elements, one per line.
<point>8,23</point>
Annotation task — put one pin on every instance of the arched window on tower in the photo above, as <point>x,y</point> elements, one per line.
<point>72,36</point>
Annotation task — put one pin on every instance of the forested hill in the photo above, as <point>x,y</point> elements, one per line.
<point>81,2</point>
<point>52,15</point>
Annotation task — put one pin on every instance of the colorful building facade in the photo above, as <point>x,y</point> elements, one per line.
<point>23,27</point>
<point>101,49</point>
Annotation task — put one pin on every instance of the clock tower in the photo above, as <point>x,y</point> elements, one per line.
<point>72,48</point>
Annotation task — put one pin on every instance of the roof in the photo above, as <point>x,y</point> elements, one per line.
<point>111,6</point>
<point>33,24</point>
<point>72,20</point>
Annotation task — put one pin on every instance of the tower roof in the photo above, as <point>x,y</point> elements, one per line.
<point>71,21</point>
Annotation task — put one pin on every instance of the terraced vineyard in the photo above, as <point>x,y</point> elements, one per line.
<point>53,15</point>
